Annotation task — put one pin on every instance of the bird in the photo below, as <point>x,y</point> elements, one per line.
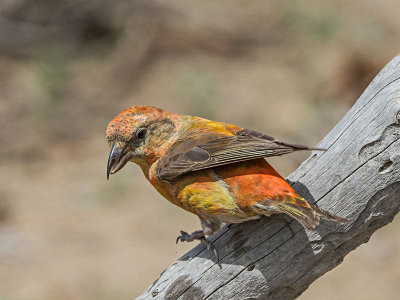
<point>214,170</point>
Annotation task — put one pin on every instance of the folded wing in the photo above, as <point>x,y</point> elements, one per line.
<point>208,149</point>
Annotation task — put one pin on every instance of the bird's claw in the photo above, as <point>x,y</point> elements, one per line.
<point>197,235</point>
<point>210,246</point>
<point>184,237</point>
<point>190,237</point>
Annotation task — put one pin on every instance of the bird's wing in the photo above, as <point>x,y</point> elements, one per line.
<point>210,149</point>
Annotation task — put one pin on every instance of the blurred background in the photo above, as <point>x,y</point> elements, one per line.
<point>290,69</point>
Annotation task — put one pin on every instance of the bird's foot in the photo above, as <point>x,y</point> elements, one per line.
<point>210,246</point>
<point>190,237</point>
<point>198,235</point>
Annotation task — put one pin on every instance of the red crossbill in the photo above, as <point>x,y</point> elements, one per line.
<point>214,170</point>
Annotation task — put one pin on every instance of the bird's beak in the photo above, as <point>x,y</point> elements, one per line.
<point>117,160</point>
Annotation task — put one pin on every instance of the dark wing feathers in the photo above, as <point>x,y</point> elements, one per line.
<point>207,150</point>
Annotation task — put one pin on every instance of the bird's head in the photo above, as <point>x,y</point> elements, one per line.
<point>139,134</point>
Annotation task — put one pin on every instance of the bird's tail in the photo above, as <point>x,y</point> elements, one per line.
<point>306,214</point>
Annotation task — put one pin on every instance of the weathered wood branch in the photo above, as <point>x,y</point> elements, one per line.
<point>357,178</point>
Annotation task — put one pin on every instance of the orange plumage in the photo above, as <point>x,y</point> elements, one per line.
<point>212,169</point>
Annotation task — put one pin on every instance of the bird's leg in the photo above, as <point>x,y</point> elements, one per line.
<point>210,246</point>
<point>210,226</point>
<point>190,237</point>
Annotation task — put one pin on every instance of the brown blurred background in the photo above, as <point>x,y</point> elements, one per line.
<point>290,69</point>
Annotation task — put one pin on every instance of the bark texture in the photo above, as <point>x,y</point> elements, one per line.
<point>358,178</point>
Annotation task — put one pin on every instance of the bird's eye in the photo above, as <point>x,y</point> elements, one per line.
<point>141,133</point>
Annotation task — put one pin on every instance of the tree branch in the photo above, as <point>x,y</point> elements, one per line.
<point>357,178</point>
